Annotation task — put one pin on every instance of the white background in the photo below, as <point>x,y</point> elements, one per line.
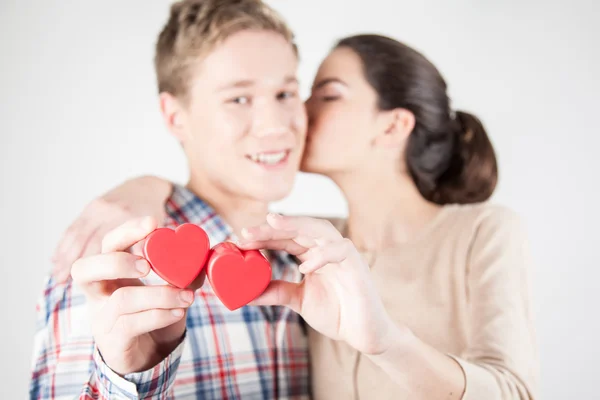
<point>79,113</point>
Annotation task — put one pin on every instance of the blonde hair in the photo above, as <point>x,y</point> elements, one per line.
<point>196,26</point>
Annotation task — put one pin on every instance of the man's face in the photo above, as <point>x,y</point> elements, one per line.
<point>244,126</point>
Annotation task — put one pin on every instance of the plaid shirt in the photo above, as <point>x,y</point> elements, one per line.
<point>253,352</point>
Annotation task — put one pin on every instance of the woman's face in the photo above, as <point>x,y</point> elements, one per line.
<point>341,113</point>
<point>342,116</point>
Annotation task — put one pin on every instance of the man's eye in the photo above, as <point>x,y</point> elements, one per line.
<point>285,95</point>
<point>240,100</point>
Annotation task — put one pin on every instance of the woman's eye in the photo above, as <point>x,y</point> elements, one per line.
<point>329,98</point>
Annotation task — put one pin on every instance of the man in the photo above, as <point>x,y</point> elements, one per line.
<point>228,92</point>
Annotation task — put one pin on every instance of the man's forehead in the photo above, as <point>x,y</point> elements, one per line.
<point>229,79</point>
<point>250,58</point>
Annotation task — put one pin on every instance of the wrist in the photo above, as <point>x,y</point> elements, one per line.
<point>164,349</point>
<point>153,383</point>
<point>396,339</point>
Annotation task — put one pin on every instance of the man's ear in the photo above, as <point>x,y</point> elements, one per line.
<point>173,113</point>
<point>397,125</point>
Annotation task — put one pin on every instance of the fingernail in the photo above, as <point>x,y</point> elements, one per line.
<point>187,297</point>
<point>177,312</point>
<point>142,266</point>
<point>302,269</point>
<point>275,215</point>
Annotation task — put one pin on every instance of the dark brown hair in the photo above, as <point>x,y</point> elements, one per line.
<point>448,154</point>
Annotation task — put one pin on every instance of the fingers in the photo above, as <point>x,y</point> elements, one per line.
<point>132,325</point>
<point>332,253</point>
<point>289,246</point>
<point>71,247</point>
<point>90,247</point>
<point>108,266</point>
<point>61,272</point>
<point>137,249</point>
<point>137,299</point>
<point>72,235</point>
<point>319,229</point>
<point>94,245</point>
<point>66,260</point>
<point>128,234</point>
<point>281,293</point>
<point>267,232</point>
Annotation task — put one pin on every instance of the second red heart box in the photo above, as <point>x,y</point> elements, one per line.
<point>178,256</point>
<point>237,276</point>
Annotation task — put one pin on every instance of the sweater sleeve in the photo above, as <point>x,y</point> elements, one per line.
<point>500,361</point>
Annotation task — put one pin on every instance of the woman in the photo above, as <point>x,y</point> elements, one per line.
<point>439,299</point>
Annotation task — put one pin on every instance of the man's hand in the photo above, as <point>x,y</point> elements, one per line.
<point>134,326</point>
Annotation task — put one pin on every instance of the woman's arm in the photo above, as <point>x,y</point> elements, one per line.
<point>137,197</point>
<point>338,299</point>
<point>500,361</point>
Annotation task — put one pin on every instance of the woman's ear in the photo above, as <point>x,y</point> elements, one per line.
<point>173,114</point>
<point>397,125</point>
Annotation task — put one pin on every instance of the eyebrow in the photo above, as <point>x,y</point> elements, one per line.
<point>327,81</point>
<point>248,83</point>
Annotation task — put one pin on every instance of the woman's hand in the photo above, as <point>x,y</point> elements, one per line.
<point>337,296</point>
<point>144,196</point>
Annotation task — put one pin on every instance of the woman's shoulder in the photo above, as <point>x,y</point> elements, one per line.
<point>487,217</point>
<point>484,210</point>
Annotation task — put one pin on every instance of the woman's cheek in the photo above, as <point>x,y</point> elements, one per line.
<point>337,123</point>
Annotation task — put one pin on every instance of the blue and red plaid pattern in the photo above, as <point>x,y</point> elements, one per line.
<point>250,353</point>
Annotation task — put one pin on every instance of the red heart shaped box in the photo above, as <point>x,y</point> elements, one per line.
<point>179,255</point>
<point>237,276</point>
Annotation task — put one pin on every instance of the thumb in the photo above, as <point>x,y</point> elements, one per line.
<point>281,293</point>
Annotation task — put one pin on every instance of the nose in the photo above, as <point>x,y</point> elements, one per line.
<point>271,119</point>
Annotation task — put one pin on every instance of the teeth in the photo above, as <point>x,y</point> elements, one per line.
<point>268,158</point>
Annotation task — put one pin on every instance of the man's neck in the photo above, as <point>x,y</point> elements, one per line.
<point>237,211</point>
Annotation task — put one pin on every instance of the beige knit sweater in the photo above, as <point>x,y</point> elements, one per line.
<point>462,287</point>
